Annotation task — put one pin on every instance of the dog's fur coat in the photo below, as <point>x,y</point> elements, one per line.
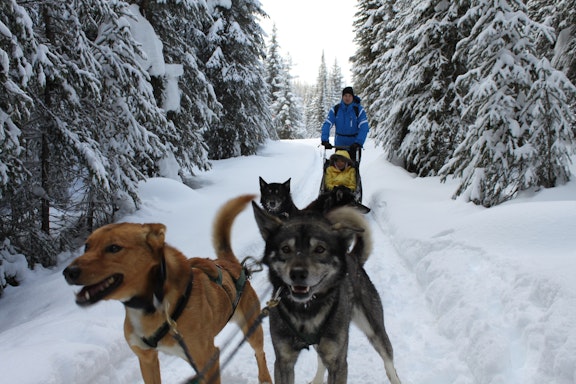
<point>133,264</point>
<point>276,199</point>
<point>318,262</point>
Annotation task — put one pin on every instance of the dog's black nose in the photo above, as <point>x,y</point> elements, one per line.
<point>71,274</point>
<point>298,275</point>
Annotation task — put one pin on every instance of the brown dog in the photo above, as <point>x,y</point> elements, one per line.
<point>157,284</point>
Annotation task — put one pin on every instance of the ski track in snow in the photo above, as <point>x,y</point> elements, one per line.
<point>485,337</point>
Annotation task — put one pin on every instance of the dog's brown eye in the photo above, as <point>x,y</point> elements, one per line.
<point>286,249</point>
<point>319,249</point>
<point>86,247</point>
<point>113,248</point>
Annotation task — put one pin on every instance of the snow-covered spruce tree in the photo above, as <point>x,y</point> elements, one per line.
<point>295,106</point>
<point>547,122</point>
<point>335,83</point>
<point>320,102</point>
<point>501,67</point>
<point>377,41</point>
<point>187,95</point>
<point>275,81</point>
<point>284,105</point>
<point>89,133</point>
<point>16,42</point>
<point>136,134</point>
<point>560,15</point>
<point>57,80</point>
<point>371,24</point>
<point>287,108</point>
<point>414,115</point>
<point>306,93</point>
<point>274,64</point>
<point>234,66</point>
<point>15,105</point>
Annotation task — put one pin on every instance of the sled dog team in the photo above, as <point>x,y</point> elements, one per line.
<point>177,305</point>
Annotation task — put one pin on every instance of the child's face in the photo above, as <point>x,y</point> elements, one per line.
<point>340,164</point>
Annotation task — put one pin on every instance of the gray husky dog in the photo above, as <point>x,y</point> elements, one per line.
<point>276,198</point>
<point>316,266</point>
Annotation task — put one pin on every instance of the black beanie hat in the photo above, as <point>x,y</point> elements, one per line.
<point>348,90</point>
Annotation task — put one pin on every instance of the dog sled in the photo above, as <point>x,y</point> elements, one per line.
<point>340,195</point>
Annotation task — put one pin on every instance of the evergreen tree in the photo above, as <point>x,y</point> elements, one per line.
<point>501,67</point>
<point>16,35</point>
<point>180,25</point>
<point>320,102</point>
<point>371,25</point>
<point>276,75</point>
<point>89,125</point>
<point>561,50</point>
<point>377,41</point>
<point>234,66</point>
<point>547,121</point>
<point>15,104</point>
<point>305,93</point>
<point>296,108</point>
<point>288,119</point>
<point>335,83</point>
<point>274,66</point>
<point>414,111</point>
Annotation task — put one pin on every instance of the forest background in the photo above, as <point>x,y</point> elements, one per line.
<point>98,95</point>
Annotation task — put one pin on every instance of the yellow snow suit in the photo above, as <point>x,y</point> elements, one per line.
<point>336,176</point>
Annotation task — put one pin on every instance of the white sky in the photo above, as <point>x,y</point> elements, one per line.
<point>306,27</point>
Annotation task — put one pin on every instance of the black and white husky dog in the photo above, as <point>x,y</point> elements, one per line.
<point>316,266</point>
<point>276,199</point>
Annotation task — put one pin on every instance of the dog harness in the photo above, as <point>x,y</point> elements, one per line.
<point>153,340</point>
<point>239,283</point>
<point>170,324</point>
<point>307,338</point>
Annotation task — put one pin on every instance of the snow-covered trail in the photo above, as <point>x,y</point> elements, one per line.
<point>497,306</point>
<point>471,295</point>
<point>411,326</point>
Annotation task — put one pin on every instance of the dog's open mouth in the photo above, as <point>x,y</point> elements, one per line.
<point>305,292</point>
<point>300,291</point>
<point>94,293</point>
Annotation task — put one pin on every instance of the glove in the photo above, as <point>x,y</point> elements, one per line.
<point>327,144</point>
<point>354,147</point>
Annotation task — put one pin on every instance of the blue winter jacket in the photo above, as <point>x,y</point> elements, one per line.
<point>350,128</point>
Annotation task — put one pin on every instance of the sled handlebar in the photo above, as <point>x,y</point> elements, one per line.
<point>358,153</point>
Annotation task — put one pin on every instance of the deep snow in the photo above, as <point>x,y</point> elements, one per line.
<point>471,295</point>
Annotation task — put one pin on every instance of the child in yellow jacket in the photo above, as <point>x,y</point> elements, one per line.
<point>340,171</point>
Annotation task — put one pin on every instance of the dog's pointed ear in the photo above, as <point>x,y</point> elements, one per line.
<point>287,183</point>
<point>155,236</point>
<point>262,182</point>
<point>267,224</point>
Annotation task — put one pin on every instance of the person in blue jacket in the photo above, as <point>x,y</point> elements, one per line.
<point>351,123</point>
